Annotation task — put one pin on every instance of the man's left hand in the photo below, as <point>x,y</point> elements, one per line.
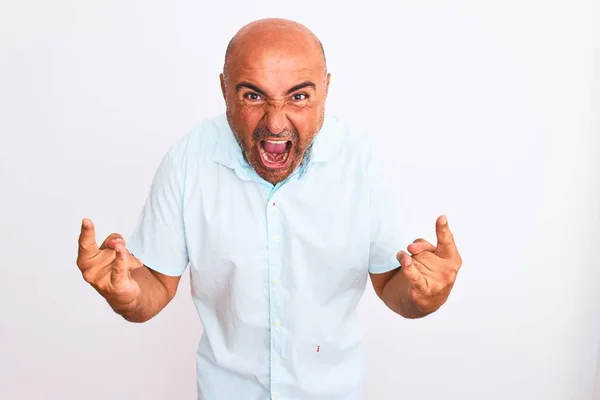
<point>431,270</point>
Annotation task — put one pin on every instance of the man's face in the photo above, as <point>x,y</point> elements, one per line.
<point>275,107</point>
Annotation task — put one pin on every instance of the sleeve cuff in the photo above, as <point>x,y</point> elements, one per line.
<point>382,268</point>
<point>161,266</point>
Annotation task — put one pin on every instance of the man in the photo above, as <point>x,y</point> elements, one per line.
<point>280,212</point>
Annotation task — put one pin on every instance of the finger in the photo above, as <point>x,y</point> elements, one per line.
<point>122,261</point>
<point>120,271</point>
<point>419,246</point>
<point>88,247</point>
<point>412,261</point>
<point>429,262</point>
<point>412,273</point>
<point>99,266</point>
<point>445,239</point>
<point>112,240</point>
<point>104,258</point>
<point>404,259</point>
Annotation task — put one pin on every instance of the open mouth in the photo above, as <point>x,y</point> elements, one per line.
<point>274,154</point>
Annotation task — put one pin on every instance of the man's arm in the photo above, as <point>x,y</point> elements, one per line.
<point>131,289</point>
<point>156,291</point>
<point>393,289</point>
<point>425,278</point>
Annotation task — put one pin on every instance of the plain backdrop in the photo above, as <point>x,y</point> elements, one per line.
<point>486,110</point>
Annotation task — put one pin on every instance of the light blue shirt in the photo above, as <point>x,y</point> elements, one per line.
<point>276,270</point>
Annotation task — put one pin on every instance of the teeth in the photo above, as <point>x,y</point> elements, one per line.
<point>263,154</point>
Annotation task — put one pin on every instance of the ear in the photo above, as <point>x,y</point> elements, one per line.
<point>223,91</point>
<point>327,79</point>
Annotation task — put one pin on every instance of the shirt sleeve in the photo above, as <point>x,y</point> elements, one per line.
<point>158,238</point>
<point>386,230</point>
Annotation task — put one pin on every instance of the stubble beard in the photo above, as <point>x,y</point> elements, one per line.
<point>300,157</point>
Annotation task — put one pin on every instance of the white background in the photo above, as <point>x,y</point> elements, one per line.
<point>486,109</point>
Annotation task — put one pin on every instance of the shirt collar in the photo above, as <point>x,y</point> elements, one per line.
<point>227,151</point>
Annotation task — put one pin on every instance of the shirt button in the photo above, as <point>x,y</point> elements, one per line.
<point>276,239</point>
<point>278,360</point>
<point>276,282</point>
<point>277,322</point>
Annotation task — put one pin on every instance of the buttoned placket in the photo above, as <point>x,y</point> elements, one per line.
<point>275,255</point>
<point>277,321</point>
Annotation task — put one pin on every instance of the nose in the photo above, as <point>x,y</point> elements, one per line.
<point>276,119</point>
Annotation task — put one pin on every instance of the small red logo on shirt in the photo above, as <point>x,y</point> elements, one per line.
<point>318,348</point>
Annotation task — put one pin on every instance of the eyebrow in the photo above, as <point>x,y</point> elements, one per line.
<point>301,86</point>
<point>255,88</point>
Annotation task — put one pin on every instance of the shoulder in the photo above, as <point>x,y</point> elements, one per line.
<point>349,143</point>
<point>340,129</point>
<point>199,142</point>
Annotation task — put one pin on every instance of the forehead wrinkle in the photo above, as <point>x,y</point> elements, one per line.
<point>275,80</point>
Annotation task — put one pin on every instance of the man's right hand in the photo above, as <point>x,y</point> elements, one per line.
<point>108,268</point>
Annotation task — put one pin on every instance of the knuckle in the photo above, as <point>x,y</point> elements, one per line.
<point>103,289</point>
<point>436,288</point>
<point>451,239</point>
<point>82,260</point>
<point>414,294</point>
<point>449,275</point>
<point>452,275</point>
<point>88,276</point>
<point>115,236</point>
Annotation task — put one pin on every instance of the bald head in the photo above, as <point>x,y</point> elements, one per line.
<point>273,34</point>
<point>275,84</point>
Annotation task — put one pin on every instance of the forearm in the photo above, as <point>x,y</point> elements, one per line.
<point>397,296</point>
<point>153,297</point>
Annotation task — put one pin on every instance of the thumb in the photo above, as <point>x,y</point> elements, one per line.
<point>88,247</point>
<point>445,239</point>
